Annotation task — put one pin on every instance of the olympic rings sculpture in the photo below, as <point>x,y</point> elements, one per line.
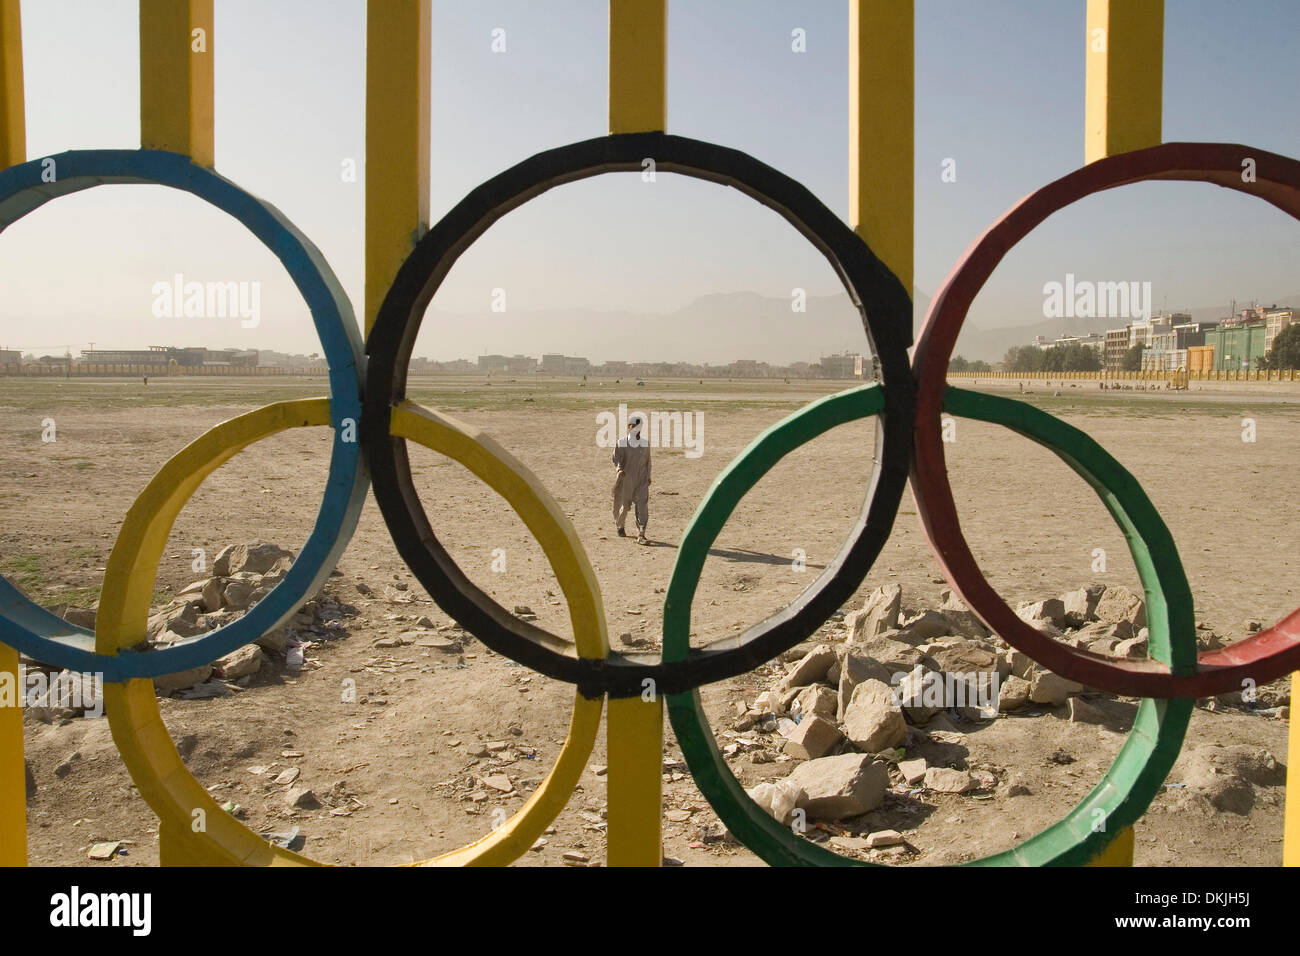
<point>373,422</point>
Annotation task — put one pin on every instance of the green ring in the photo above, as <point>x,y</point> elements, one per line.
<point>1129,784</point>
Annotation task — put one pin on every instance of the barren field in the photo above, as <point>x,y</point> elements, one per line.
<point>404,761</point>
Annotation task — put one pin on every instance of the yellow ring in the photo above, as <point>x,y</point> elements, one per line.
<point>132,707</point>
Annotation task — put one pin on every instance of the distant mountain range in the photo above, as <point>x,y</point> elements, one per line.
<point>720,328</point>
<point>717,329</point>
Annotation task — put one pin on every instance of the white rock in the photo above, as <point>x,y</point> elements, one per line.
<point>873,721</point>
<point>884,838</point>
<point>257,558</point>
<point>241,662</point>
<point>854,669</point>
<point>1081,604</point>
<point>1118,603</point>
<point>913,771</point>
<point>812,737</point>
<point>880,612</point>
<point>945,780</point>
<point>1013,694</point>
<point>1048,688</point>
<point>1053,609</point>
<point>1133,647</point>
<point>182,679</point>
<point>210,594</point>
<point>817,700</point>
<point>923,627</point>
<point>1021,664</point>
<point>238,595</point>
<point>920,693</point>
<point>965,624</point>
<point>843,786</point>
<point>812,668</point>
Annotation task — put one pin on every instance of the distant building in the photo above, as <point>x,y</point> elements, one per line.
<point>155,355</point>
<point>1275,320</point>
<point>1114,345</point>
<point>11,357</point>
<point>455,365</point>
<point>296,360</point>
<point>1169,345</point>
<point>243,358</point>
<point>1149,332</point>
<point>844,365</point>
<point>553,363</point>
<point>162,356</point>
<point>1093,340</point>
<point>1236,344</point>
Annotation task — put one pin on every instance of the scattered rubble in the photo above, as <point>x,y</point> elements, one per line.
<point>846,713</point>
<point>242,575</point>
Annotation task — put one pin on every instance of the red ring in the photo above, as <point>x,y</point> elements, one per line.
<point>1262,657</point>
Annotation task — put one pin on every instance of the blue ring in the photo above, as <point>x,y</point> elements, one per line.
<point>41,635</point>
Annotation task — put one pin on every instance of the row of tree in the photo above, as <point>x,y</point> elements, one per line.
<point>1071,357</point>
<point>959,365</point>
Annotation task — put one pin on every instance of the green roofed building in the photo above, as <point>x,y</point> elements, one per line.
<point>1236,346</point>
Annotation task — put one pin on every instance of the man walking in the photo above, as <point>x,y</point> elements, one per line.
<point>632,483</point>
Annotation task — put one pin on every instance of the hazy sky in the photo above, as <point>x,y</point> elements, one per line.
<point>999,90</point>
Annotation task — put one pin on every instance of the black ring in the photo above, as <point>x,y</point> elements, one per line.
<point>886,309</point>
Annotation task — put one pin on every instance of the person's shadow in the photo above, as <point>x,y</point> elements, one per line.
<point>737,554</point>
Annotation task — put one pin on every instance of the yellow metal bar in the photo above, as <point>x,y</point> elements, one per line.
<point>638,50</point>
<point>13,128</point>
<point>635,733</point>
<point>881,129</point>
<point>1291,832</point>
<point>176,78</point>
<point>638,103</point>
<point>13,790</point>
<point>1118,853</point>
<point>398,40</point>
<point>1124,76</point>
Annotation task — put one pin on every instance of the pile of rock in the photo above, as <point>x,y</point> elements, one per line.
<point>848,708</point>
<point>242,575</point>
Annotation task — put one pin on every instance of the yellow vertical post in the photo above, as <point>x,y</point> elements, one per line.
<point>634,736</point>
<point>13,127</point>
<point>399,38</point>
<point>176,100</point>
<point>638,102</point>
<point>638,53</point>
<point>1291,832</point>
<point>1123,76</point>
<point>1119,852</point>
<point>176,105</point>
<point>1123,97</point>
<point>882,93</point>
<point>13,794</point>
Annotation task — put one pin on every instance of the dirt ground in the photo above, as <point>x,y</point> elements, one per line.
<point>422,729</point>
